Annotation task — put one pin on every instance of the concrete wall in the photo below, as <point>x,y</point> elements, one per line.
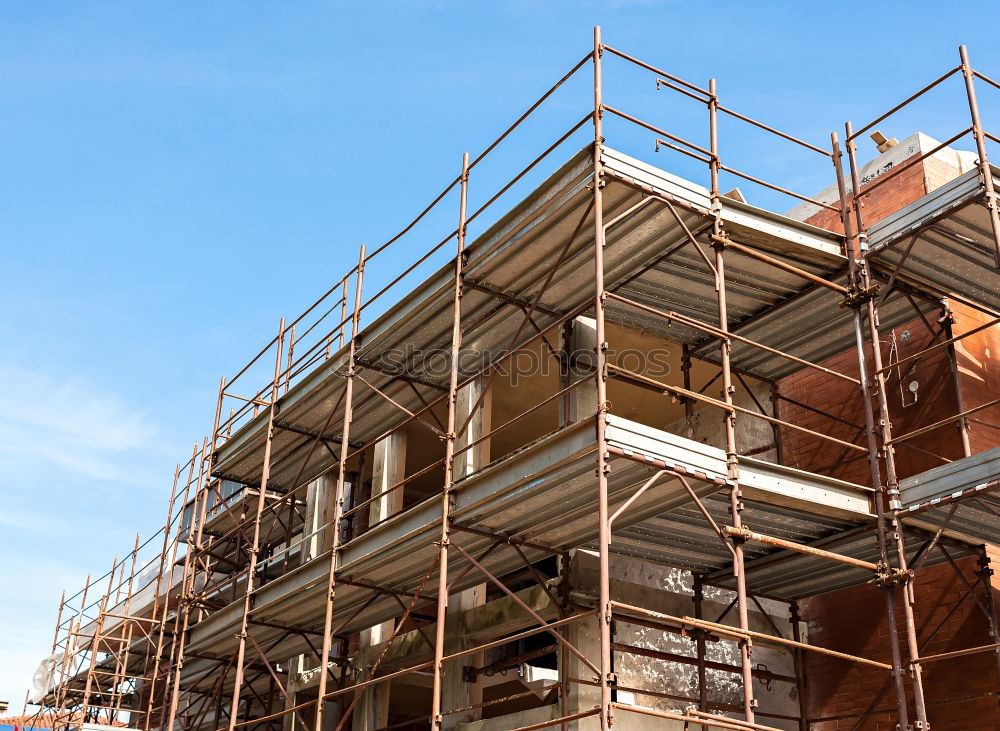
<point>669,591</point>
<point>754,437</point>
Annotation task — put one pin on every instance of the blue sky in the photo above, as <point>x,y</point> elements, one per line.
<point>177,176</point>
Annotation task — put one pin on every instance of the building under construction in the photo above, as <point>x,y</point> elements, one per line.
<point>623,450</point>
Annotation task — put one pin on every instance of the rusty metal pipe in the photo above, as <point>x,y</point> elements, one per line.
<point>886,524</point>
<point>791,269</point>
<point>772,130</point>
<point>924,90</point>
<point>683,393</point>
<point>652,128</point>
<point>778,188</point>
<point>605,672</point>
<point>857,245</point>
<point>520,602</point>
<point>944,422</point>
<point>636,495</point>
<point>748,535</point>
<point>660,72</point>
<point>545,627</point>
<point>727,630</point>
<point>338,510</point>
<point>711,721</point>
<point>729,415</point>
<point>449,456</point>
<point>698,325</point>
<point>579,64</point>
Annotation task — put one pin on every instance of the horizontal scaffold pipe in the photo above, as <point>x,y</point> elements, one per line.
<point>749,535</point>
<point>944,422</point>
<point>701,720</point>
<point>647,382</point>
<point>941,344</point>
<point>704,327</point>
<point>725,629</point>
<point>790,268</point>
<point>420,666</point>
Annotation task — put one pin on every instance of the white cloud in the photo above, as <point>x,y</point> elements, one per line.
<point>66,446</point>
<point>67,423</point>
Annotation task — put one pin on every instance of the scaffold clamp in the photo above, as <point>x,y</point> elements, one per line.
<point>859,295</point>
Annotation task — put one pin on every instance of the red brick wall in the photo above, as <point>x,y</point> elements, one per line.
<point>902,189</point>
<point>959,691</point>
<point>935,400</point>
<point>979,367</point>
<point>979,378</point>
<point>840,399</point>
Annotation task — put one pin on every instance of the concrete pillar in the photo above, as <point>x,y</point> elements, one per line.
<point>388,468</point>
<point>472,459</point>
<point>317,503</point>
<point>290,722</point>
<point>372,709</point>
<point>456,692</point>
<point>585,637</point>
<point>329,496</point>
<point>582,345</point>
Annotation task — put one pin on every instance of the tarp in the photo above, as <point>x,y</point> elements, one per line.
<point>44,677</point>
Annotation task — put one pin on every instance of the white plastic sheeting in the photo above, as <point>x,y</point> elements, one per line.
<point>44,677</point>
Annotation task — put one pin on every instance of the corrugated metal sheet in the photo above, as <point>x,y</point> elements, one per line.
<point>810,325</point>
<point>975,520</point>
<point>792,575</point>
<point>949,479</point>
<point>961,496</point>
<point>953,254</point>
<point>546,493</point>
<point>513,256</point>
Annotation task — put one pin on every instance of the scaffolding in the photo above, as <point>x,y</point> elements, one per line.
<point>288,554</point>
<point>108,651</point>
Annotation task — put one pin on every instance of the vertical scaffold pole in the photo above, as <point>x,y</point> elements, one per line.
<point>183,615</point>
<point>160,614</point>
<point>729,418</point>
<point>55,637</point>
<point>607,679</point>
<point>860,283</point>
<point>127,629</point>
<point>272,411</point>
<point>189,572</point>
<point>799,663</point>
<point>688,403</point>
<point>338,509</point>
<point>986,575</point>
<point>948,319</point>
<point>892,490</point>
<point>69,653</point>
<point>449,456</point>
<point>96,638</point>
<point>985,174</point>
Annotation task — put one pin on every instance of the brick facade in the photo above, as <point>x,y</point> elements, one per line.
<point>961,692</point>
